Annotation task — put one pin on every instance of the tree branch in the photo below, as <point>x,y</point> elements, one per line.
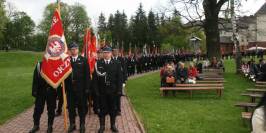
<point>220,4</point>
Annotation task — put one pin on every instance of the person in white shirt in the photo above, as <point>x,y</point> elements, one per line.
<point>258,117</point>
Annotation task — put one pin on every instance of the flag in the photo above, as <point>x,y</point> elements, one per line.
<point>56,65</point>
<point>87,42</point>
<point>92,53</point>
<point>89,49</point>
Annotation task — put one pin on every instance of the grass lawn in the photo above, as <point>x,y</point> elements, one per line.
<point>16,70</point>
<point>204,113</point>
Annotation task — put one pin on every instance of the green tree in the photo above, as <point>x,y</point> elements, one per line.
<point>74,18</point>
<point>19,31</point>
<point>45,24</point>
<point>173,33</point>
<point>140,27</point>
<point>152,35</point>
<point>210,13</point>
<point>3,21</point>
<point>102,26</point>
<point>79,21</point>
<point>110,27</point>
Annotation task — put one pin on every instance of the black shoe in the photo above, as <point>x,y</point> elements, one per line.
<point>57,114</point>
<point>82,128</point>
<point>114,129</point>
<point>34,129</point>
<point>119,113</point>
<point>101,129</point>
<point>49,129</point>
<point>71,128</point>
<point>102,125</point>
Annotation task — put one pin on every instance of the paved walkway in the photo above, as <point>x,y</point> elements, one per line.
<point>126,123</point>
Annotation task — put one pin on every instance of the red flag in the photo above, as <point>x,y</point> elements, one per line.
<point>89,49</point>
<point>92,53</point>
<point>56,65</point>
<point>87,42</point>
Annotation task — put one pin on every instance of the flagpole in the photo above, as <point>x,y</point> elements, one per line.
<point>58,5</point>
<point>65,105</point>
<point>63,83</point>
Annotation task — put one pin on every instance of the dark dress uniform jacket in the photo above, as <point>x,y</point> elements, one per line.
<point>77,88</point>
<point>112,82</point>
<point>79,80</point>
<point>123,64</point>
<point>39,85</point>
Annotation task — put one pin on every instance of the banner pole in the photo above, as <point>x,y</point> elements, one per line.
<point>58,5</point>
<point>63,83</point>
<point>65,106</point>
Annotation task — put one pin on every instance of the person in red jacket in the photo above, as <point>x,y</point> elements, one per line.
<point>192,73</point>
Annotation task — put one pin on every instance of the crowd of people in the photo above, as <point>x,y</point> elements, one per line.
<point>103,88</point>
<point>255,72</point>
<point>173,73</point>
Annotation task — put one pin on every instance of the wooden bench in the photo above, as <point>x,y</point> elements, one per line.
<point>257,90</point>
<point>193,87</point>
<point>210,81</point>
<point>212,70</point>
<point>210,75</point>
<point>253,96</point>
<point>246,105</point>
<point>261,83</point>
<point>213,78</point>
<point>260,86</point>
<point>246,115</point>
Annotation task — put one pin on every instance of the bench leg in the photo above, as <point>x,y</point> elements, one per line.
<point>190,92</point>
<point>253,99</point>
<point>161,93</point>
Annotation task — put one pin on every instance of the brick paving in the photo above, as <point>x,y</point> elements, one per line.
<point>126,123</point>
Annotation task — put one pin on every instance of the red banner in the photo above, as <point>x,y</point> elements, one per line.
<point>89,49</point>
<point>56,65</point>
<point>93,52</point>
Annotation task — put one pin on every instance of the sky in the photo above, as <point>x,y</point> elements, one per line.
<point>35,8</point>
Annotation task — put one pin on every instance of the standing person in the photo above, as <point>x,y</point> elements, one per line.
<point>118,58</point>
<point>42,93</point>
<point>131,65</point>
<point>78,88</point>
<point>95,97</point>
<point>108,86</point>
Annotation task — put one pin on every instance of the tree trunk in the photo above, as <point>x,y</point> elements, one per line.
<point>212,38</point>
<point>238,57</point>
<point>211,29</point>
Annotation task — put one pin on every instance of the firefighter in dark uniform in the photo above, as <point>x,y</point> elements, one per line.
<point>131,65</point>
<point>108,84</point>
<point>95,97</point>
<point>78,84</point>
<point>123,63</point>
<point>42,93</point>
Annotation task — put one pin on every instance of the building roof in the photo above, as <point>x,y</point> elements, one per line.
<point>262,10</point>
